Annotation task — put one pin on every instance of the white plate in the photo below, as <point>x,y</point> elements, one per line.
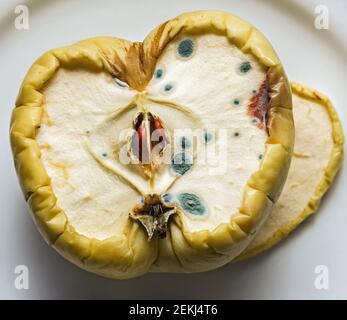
<point>311,56</point>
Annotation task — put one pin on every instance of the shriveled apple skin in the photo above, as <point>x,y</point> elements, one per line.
<point>130,254</point>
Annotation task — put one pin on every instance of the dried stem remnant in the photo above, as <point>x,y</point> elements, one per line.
<point>154,215</point>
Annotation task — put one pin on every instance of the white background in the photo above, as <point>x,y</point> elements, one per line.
<point>311,56</point>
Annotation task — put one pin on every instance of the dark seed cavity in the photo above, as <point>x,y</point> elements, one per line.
<point>146,126</point>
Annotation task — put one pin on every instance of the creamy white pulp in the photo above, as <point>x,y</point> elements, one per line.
<point>200,83</point>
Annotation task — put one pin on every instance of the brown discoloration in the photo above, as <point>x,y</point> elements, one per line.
<point>136,74</point>
<point>316,95</point>
<point>158,43</point>
<point>259,104</point>
<point>88,198</point>
<point>137,67</point>
<point>116,64</point>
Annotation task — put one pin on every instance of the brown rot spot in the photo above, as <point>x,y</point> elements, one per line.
<point>259,104</point>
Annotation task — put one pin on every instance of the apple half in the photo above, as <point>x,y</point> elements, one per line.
<point>166,155</point>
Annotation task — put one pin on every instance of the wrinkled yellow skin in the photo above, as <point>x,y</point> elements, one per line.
<point>333,165</point>
<point>129,254</point>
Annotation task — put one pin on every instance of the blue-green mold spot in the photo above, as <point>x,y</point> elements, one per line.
<point>185,48</point>
<point>168,87</point>
<point>191,203</point>
<point>158,73</point>
<point>236,102</point>
<point>245,67</point>
<point>104,154</point>
<point>181,163</point>
<point>207,137</point>
<point>185,143</point>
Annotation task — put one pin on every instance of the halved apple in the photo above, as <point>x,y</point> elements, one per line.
<point>166,155</point>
